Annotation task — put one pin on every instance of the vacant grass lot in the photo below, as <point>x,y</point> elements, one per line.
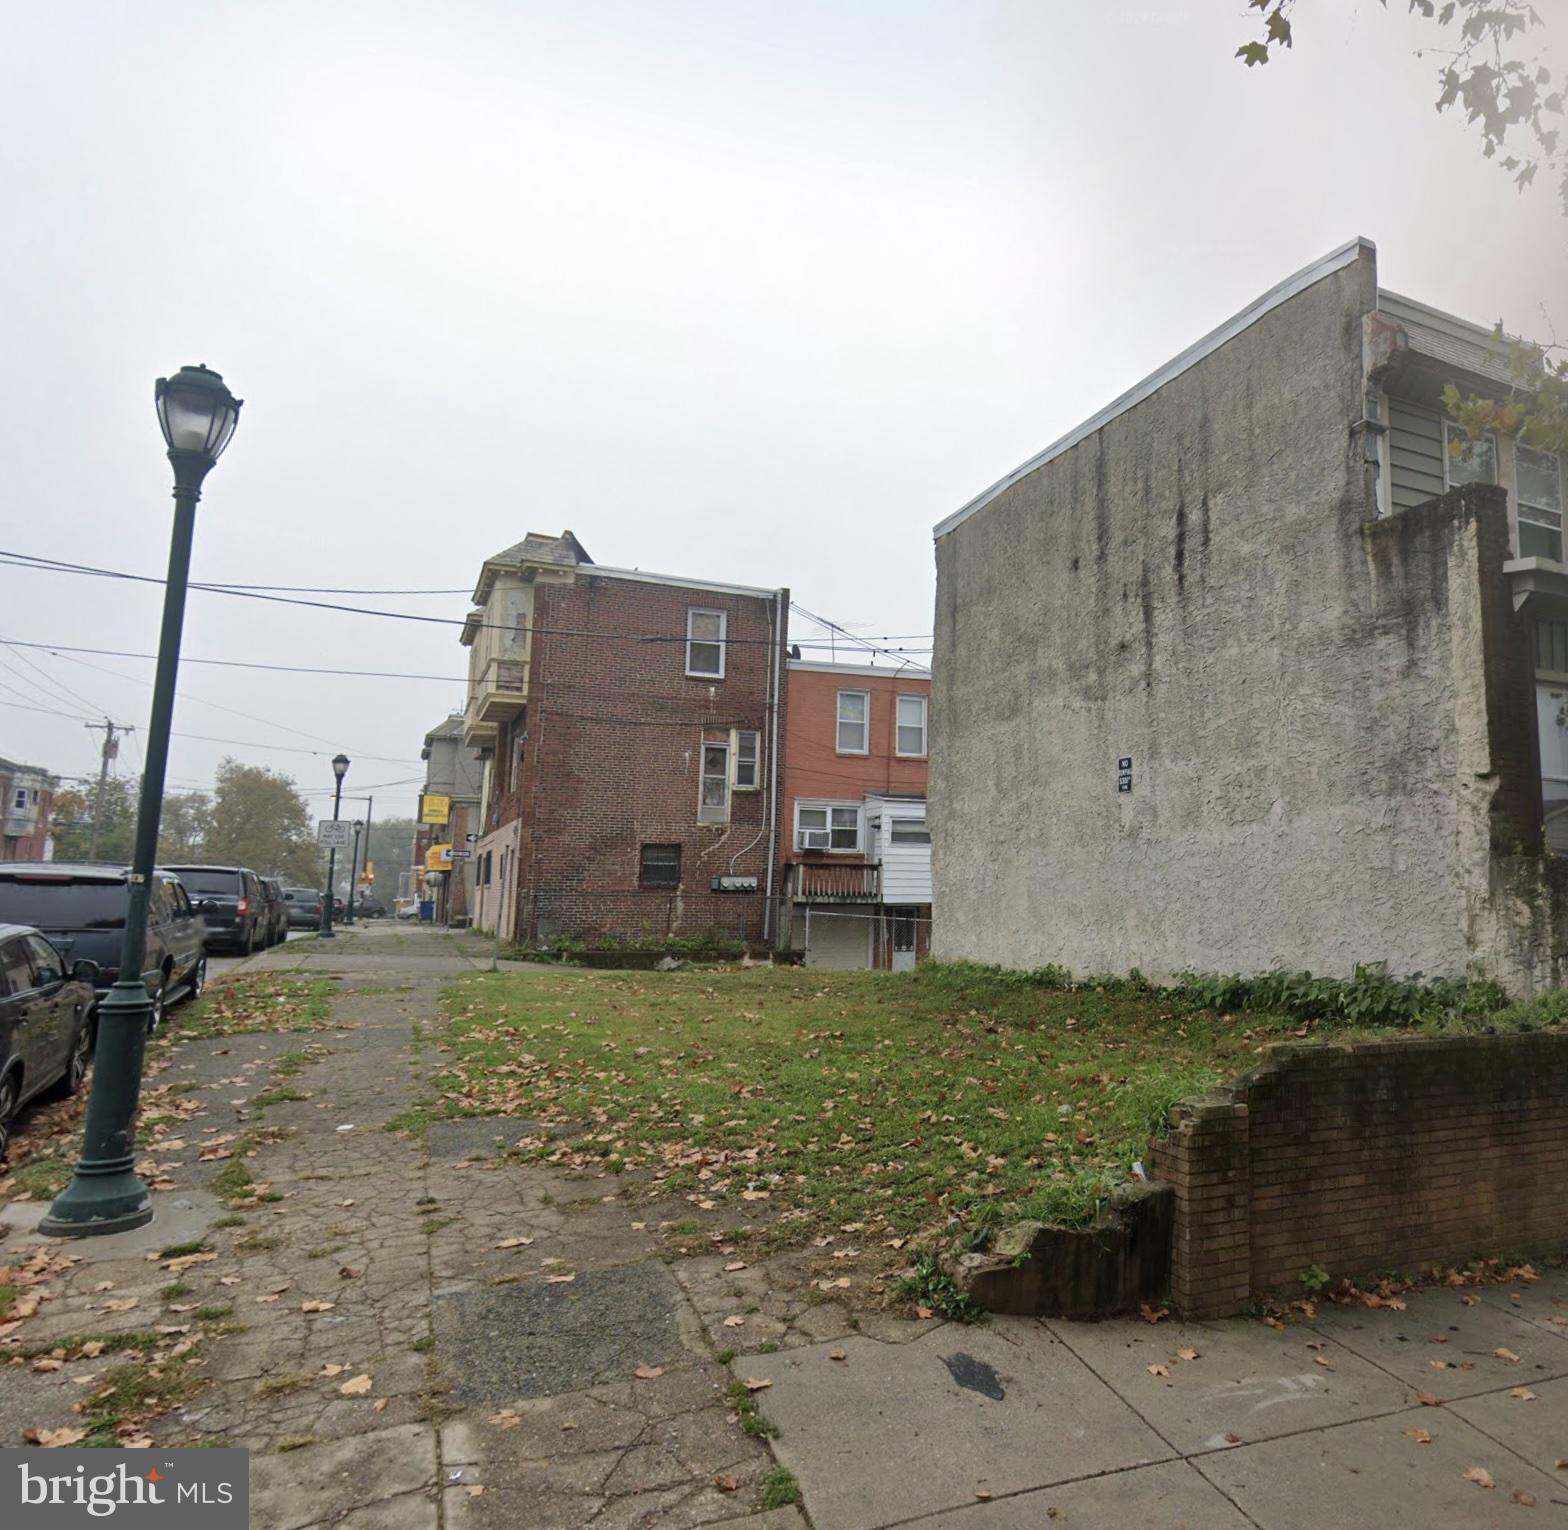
<point>838,1097</point>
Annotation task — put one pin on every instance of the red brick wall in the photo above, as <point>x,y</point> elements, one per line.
<point>613,759</point>
<point>1367,1157</point>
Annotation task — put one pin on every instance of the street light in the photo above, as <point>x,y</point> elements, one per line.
<point>197,415</point>
<point>353,871</point>
<point>339,769</point>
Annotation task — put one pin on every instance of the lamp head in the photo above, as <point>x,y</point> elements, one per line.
<point>340,765</point>
<point>196,412</point>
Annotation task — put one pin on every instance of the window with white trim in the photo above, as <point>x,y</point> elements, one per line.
<point>713,803</point>
<point>1467,460</point>
<point>705,635</point>
<point>828,826</point>
<point>854,722</point>
<point>1539,498</point>
<point>748,754</point>
<point>909,831</point>
<point>910,736</point>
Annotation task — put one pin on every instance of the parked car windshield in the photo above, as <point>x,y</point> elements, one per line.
<point>62,903</point>
<point>230,883</point>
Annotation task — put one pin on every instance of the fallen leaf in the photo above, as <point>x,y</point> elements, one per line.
<point>1420,1436</point>
<point>648,1372</point>
<point>317,1306</point>
<point>53,1439</point>
<point>1159,1370</point>
<point>984,1495</point>
<point>838,1354</point>
<point>1523,1499</point>
<point>507,1418</point>
<point>1480,1476</point>
<point>1320,1360</point>
<point>379,1405</point>
<point>757,1383</point>
<point>1186,1352</point>
<point>923,1313</point>
<point>1427,1400</point>
<point>725,1483</point>
<point>348,1272</point>
<point>1151,1314</point>
<point>559,1280</point>
<point>47,1363</point>
<point>357,1387</point>
<point>514,1242</point>
<point>1506,1355</point>
<point>332,1370</point>
<point>474,1489</point>
<point>755,1195</point>
<point>1232,1439</point>
<point>733,1265</point>
<point>120,1304</point>
<point>735,1320</point>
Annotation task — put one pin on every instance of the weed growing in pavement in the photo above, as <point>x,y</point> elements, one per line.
<point>180,1250</point>
<point>779,1489</point>
<point>928,1285</point>
<point>746,1414</point>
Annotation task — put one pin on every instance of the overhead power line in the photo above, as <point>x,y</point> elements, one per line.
<point>288,669</point>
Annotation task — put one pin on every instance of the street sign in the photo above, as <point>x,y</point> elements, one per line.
<point>472,839</point>
<point>438,858</point>
<point>334,834</point>
<point>462,855</point>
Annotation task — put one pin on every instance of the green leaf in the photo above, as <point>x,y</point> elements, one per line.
<point>1253,53</point>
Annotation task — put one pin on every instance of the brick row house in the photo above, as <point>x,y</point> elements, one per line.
<point>628,725</point>
<point>856,882</point>
<point>28,802</point>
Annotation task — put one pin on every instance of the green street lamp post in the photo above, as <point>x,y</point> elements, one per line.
<point>340,763</point>
<point>197,415</point>
<point>353,871</point>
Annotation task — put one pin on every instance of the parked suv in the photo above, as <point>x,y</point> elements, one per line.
<point>46,1013</point>
<point>230,899</point>
<point>81,910</point>
<point>277,911</point>
<point>304,905</point>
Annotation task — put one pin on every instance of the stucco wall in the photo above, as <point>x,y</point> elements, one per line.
<point>1196,586</point>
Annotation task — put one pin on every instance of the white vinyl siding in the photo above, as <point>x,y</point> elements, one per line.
<point>1415,448</point>
<point>905,858</point>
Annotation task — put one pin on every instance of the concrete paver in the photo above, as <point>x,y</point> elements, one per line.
<point>889,1433</point>
<point>1248,1382</point>
<point>1372,1473</point>
<point>1535,1428</point>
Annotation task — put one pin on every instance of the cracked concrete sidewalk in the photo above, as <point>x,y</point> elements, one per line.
<point>502,1313</point>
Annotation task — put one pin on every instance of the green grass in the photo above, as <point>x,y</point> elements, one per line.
<point>180,1250</point>
<point>896,1101</point>
<point>8,1295</point>
<point>930,1286</point>
<point>779,1489</point>
<point>747,1416</point>
<point>257,1001</point>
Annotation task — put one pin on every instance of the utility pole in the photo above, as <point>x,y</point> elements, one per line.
<point>111,750</point>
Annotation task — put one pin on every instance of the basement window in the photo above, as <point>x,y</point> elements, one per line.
<point>661,866</point>
<point>705,634</point>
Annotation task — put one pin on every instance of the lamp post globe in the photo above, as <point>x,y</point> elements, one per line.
<point>197,415</point>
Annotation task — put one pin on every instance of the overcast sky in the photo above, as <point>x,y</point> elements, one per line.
<point>751,292</point>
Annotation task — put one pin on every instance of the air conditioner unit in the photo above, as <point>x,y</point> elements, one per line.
<point>813,839</point>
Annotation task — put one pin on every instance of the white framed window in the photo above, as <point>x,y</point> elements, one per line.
<point>1467,461</point>
<point>830,826</point>
<point>748,755</point>
<point>910,733</point>
<point>909,831</point>
<point>713,802</point>
<point>1539,499</point>
<point>854,722</point>
<point>705,635</point>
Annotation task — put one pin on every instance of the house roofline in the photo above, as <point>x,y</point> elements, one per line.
<point>595,569</point>
<point>1291,287</point>
<point>886,672</point>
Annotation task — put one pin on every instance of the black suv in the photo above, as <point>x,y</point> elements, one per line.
<point>230,899</point>
<point>277,928</point>
<point>304,907</point>
<point>81,909</point>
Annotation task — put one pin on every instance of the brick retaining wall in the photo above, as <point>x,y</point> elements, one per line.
<point>1367,1157</point>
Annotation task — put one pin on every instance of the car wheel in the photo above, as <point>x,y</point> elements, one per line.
<point>8,1103</point>
<point>197,980</point>
<point>155,1019</point>
<point>75,1074</point>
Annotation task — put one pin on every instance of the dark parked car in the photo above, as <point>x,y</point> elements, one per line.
<point>46,1013</point>
<point>230,899</point>
<point>367,906</point>
<point>81,910</point>
<point>304,905</point>
<point>277,911</point>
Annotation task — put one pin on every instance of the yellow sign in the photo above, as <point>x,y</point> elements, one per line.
<point>435,808</point>
<point>438,858</point>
